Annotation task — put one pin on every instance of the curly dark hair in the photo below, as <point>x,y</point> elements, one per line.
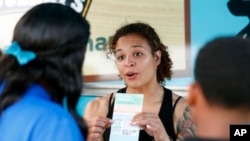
<point>147,32</point>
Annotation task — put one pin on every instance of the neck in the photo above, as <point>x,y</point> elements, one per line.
<point>215,123</point>
<point>151,93</point>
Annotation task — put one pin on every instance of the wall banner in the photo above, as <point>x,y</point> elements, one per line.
<point>170,18</point>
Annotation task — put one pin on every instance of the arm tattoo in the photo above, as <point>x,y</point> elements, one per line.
<point>185,125</point>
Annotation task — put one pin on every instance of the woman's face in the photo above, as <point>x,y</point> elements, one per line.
<point>135,62</point>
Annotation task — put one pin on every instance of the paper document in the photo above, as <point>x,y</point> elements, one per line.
<point>125,107</point>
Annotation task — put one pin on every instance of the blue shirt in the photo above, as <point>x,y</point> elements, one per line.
<point>35,117</point>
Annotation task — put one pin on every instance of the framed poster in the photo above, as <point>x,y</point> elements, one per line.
<point>170,18</point>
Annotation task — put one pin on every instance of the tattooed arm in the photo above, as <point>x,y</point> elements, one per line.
<point>183,122</point>
<point>185,125</point>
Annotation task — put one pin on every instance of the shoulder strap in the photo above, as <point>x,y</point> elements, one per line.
<point>166,113</point>
<point>177,100</point>
<point>110,99</point>
<point>111,104</point>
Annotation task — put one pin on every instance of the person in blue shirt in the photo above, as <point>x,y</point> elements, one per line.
<point>39,69</point>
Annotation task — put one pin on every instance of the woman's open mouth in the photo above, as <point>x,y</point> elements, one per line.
<point>131,75</point>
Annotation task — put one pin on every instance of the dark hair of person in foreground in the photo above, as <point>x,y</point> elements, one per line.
<point>57,35</point>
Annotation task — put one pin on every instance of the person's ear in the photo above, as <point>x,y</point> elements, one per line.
<point>194,91</point>
<point>195,95</point>
<point>158,57</point>
<point>190,96</point>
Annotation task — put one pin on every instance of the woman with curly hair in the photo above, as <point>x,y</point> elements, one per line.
<point>143,62</point>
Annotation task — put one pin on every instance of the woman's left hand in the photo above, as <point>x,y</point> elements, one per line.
<point>152,124</point>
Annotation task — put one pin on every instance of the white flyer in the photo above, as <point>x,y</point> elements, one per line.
<point>125,107</point>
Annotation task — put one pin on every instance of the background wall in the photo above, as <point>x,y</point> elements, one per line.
<point>209,19</point>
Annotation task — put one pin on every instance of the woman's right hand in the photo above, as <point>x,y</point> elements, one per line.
<point>96,128</point>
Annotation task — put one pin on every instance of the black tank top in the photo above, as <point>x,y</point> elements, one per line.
<point>166,118</point>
